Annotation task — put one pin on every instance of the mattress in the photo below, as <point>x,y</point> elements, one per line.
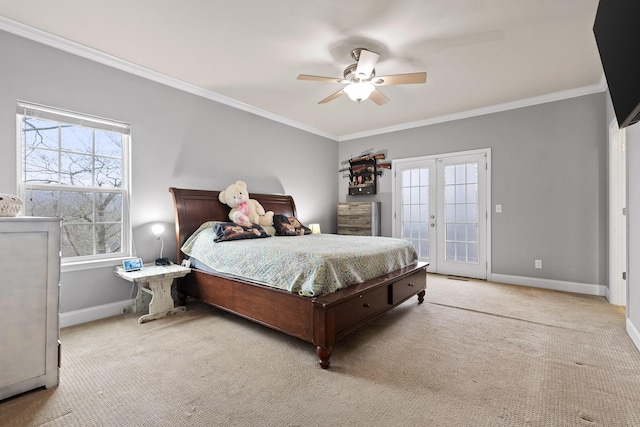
<point>310,265</point>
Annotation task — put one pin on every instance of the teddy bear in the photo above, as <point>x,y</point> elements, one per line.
<point>243,209</point>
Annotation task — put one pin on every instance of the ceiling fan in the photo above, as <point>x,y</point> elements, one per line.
<point>361,80</point>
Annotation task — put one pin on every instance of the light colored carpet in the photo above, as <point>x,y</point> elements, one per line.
<point>474,354</point>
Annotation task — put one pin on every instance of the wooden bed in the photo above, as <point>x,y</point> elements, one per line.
<point>319,320</point>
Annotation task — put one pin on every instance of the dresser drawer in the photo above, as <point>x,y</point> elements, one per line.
<point>361,308</point>
<point>406,288</point>
<point>354,231</point>
<point>355,221</point>
<point>354,208</point>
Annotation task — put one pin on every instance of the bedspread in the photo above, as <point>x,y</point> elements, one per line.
<point>310,265</point>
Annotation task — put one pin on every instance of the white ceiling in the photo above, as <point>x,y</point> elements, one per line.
<point>478,54</point>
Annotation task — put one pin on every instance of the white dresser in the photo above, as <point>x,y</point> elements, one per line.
<point>29,291</point>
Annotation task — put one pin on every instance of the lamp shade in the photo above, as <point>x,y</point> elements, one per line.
<point>359,91</point>
<point>157,230</point>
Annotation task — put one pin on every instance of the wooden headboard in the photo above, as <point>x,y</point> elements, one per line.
<point>192,208</point>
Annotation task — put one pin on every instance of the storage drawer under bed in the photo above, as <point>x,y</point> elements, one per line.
<point>360,308</point>
<point>405,288</point>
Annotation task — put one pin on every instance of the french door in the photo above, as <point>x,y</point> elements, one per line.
<point>440,205</point>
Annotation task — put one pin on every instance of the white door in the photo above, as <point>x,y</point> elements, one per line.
<point>440,205</point>
<point>415,207</point>
<point>617,292</point>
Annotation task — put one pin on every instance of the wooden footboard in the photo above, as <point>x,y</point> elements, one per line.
<point>321,320</point>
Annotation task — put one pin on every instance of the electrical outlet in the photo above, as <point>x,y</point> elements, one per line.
<point>538,263</point>
<point>498,208</point>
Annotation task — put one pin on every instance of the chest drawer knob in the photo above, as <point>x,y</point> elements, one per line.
<point>366,305</point>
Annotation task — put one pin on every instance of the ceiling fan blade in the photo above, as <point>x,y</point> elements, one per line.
<point>319,78</point>
<point>366,63</point>
<point>378,97</point>
<point>400,79</point>
<point>332,97</point>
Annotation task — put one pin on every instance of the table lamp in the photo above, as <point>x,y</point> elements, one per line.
<point>157,230</point>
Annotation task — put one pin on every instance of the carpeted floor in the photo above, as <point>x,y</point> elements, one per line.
<point>474,354</point>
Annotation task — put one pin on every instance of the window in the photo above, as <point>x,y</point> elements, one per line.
<point>75,167</point>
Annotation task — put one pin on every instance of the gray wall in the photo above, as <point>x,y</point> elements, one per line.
<point>548,173</point>
<point>178,139</point>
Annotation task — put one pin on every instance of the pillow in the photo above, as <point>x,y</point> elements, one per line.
<point>270,229</point>
<point>226,231</point>
<point>289,226</point>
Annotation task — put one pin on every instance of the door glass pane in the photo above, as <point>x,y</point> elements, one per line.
<point>424,214</point>
<point>472,213</point>
<point>449,194</point>
<point>472,252</point>
<point>471,191</point>
<point>415,230</point>
<point>451,251</point>
<point>424,177</point>
<point>415,213</point>
<point>415,209</point>
<point>415,178</point>
<point>451,232</point>
<point>406,229</point>
<point>449,176</point>
<point>424,230</point>
<point>472,173</point>
<point>424,194</point>
<point>472,233</point>
<point>461,212</point>
<point>415,196</point>
<point>461,195</point>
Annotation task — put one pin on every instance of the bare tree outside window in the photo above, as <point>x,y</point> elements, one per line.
<point>75,171</point>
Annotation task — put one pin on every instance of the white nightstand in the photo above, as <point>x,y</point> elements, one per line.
<point>155,280</point>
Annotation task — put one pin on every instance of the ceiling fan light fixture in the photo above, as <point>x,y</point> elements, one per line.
<point>359,91</point>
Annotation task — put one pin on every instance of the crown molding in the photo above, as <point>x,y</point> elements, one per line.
<point>69,46</point>
<point>556,96</point>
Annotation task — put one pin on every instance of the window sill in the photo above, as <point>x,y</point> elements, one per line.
<point>88,265</point>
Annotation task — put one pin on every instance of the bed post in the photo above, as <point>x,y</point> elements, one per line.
<point>324,332</point>
<point>324,353</point>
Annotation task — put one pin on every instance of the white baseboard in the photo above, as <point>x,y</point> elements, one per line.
<point>633,333</point>
<point>556,285</point>
<point>76,317</point>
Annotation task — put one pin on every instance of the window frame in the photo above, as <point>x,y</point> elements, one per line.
<point>28,109</point>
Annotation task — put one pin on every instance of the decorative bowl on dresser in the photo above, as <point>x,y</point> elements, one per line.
<point>10,205</point>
